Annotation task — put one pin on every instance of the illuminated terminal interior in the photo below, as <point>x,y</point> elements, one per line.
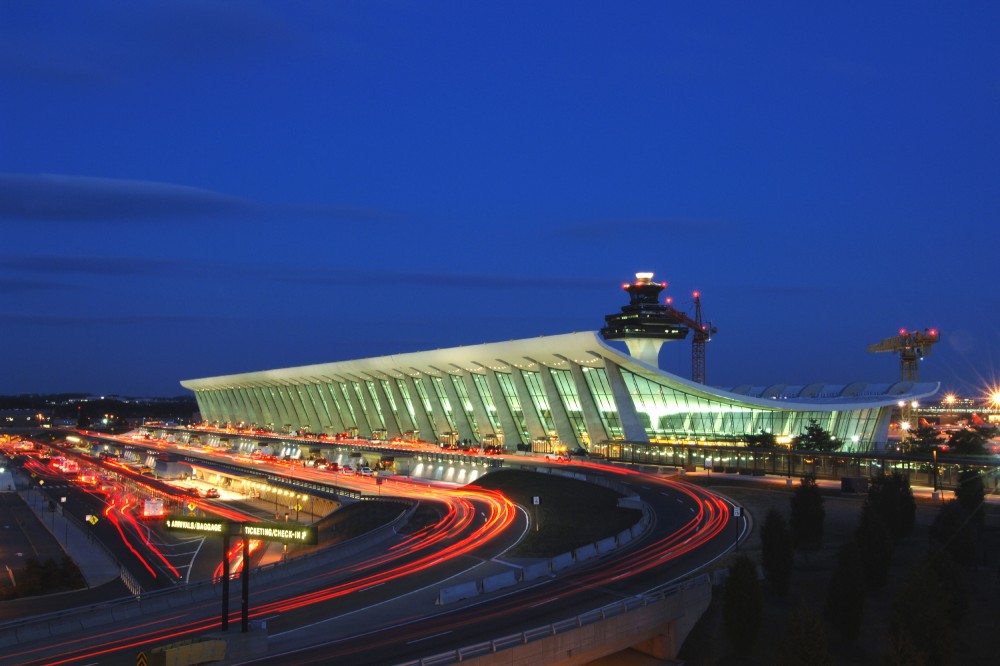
<point>564,391</point>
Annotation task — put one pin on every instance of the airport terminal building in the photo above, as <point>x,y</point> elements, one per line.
<point>573,390</point>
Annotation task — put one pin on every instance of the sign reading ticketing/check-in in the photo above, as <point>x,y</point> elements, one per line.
<point>281,532</point>
<point>263,531</point>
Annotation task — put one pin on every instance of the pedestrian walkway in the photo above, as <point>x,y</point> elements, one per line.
<point>95,562</point>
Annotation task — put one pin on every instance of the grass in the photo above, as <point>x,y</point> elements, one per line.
<point>570,513</point>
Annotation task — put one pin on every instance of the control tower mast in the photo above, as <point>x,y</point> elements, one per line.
<point>645,323</point>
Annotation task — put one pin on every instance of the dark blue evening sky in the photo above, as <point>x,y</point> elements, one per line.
<point>198,188</point>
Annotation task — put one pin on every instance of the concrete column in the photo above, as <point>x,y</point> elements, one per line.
<point>292,405</point>
<point>267,404</point>
<point>591,415</point>
<point>567,433</point>
<point>365,427</point>
<point>458,410</point>
<point>392,421</point>
<point>332,392</point>
<point>631,424</point>
<point>314,419</point>
<point>478,406</point>
<point>437,409</point>
<point>535,427</point>
<point>427,431</point>
<point>512,435</point>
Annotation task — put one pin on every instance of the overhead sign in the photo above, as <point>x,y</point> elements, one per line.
<point>282,532</point>
<point>200,525</point>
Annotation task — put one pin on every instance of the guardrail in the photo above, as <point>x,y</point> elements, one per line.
<point>473,588</point>
<point>56,623</point>
<point>560,626</point>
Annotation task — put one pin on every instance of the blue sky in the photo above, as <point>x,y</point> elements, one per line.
<point>198,188</point>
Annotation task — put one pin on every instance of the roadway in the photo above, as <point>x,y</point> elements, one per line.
<point>378,606</point>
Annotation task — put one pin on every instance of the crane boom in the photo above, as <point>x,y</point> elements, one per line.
<point>702,334</point>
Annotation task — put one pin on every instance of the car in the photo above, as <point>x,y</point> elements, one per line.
<point>367,471</point>
<point>213,493</point>
<point>346,469</point>
<point>557,457</point>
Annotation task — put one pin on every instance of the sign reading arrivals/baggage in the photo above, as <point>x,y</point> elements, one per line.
<point>200,525</point>
<point>282,532</point>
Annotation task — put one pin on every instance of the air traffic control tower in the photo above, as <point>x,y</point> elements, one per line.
<point>645,323</point>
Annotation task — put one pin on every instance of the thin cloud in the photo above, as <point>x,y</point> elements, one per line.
<point>647,225</point>
<point>101,266</point>
<point>83,199</point>
<point>32,319</point>
<point>19,285</point>
<point>454,280</point>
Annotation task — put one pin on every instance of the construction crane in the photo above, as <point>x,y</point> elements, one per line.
<point>702,334</point>
<point>912,347</point>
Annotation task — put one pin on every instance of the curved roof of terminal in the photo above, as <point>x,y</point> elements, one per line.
<point>556,351</point>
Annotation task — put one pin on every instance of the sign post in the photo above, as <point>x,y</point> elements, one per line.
<point>282,532</point>
<point>737,513</point>
<point>536,500</point>
<point>245,603</point>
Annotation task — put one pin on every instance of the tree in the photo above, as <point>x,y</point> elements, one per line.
<point>815,438</point>
<point>922,619</point>
<point>892,498</point>
<point>971,494</point>
<point>742,605</point>
<point>807,515</point>
<point>778,551</point>
<point>805,640</point>
<point>875,547</point>
<point>845,595</point>
<point>952,531</point>
<point>762,440</point>
<point>967,442</point>
<point>924,440</point>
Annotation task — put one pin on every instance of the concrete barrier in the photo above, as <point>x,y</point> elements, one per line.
<point>499,581</point>
<point>560,562</point>
<point>449,595</point>
<point>624,537</point>
<point>33,632</point>
<point>535,571</point>
<point>584,553</point>
<point>632,502</point>
<point>606,545</point>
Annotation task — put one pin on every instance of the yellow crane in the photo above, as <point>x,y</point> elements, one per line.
<point>912,346</point>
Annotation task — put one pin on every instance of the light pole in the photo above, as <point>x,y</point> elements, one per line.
<point>936,493</point>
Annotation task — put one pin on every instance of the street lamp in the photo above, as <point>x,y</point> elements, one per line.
<point>936,484</point>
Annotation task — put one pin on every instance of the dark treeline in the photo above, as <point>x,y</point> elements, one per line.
<point>80,405</point>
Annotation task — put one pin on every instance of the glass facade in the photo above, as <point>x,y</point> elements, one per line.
<point>470,413</point>
<point>571,403</point>
<point>597,382</point>
<point>401,423</point>
<point>633,403</point>
<point>538,398</point>
<point>483,389</point>
<point>425,400</point>
<point>404,391</point>
<point>513,404</point>
<point>442,396</point>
